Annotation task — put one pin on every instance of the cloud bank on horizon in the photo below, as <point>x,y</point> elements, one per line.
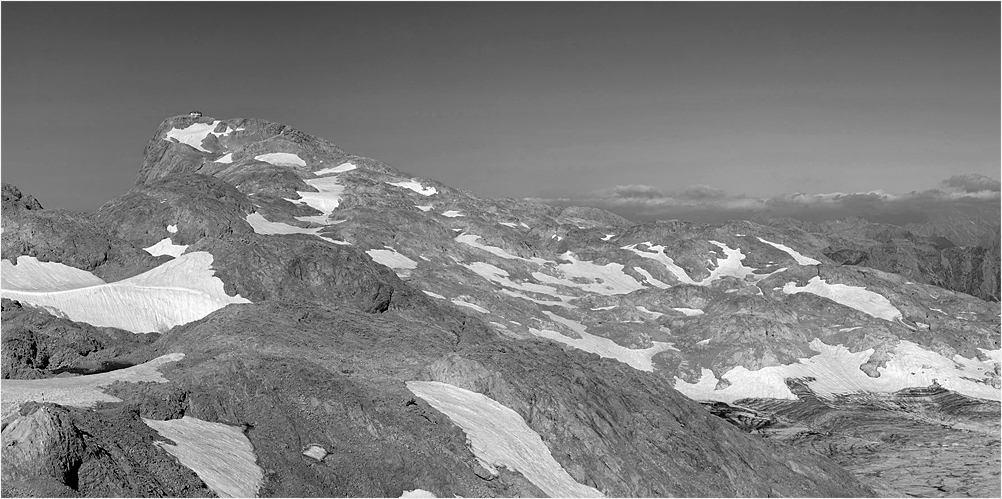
<point>707,204</point>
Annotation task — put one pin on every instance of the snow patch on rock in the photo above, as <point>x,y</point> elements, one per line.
<point>453,214</point>
<point>856,297</point>
<point>195,133</point>
<point>281,159</point>
<point>225,159</point>
<point>172,229</point>
<point>167,247</point>
<point>220,454</point>
<point>433,295</point>
<point>499,436</point>
<point>262,226</point>
<point>180,291</point>
<point>390,258</point>
<point>424,207</point>
<point>325,201</point>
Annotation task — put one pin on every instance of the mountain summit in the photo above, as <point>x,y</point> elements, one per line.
<point>266,314</point>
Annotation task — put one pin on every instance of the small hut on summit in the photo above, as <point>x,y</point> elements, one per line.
<point>195,114</point>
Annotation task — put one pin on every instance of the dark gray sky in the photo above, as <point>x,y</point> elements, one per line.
<point>560,100</point>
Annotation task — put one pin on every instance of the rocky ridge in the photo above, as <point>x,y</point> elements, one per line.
<point>361,278</point>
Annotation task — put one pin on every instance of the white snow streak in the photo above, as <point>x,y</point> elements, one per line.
<point>474,306</point>
<point>221,455</point>
<point>801,259</point>
<point>689,312</point>
<point>472,240</point>
<point>178,292</point>
<point>453,214</point>
<point>608,237</point>
<point>499,436</point>
<point>433,295</point>
<point>604,347</point>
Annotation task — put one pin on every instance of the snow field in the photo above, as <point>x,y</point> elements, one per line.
<point>220,454</point>
<point>836,371</point>
<point>195,133</point>
<point>856,297</point>
<point>78,391</point>
<point>343,167</point>
<point>166,247</point>
<point>415,186</point>
<point>604,347</point>
<point>281,159</point>
<point>549,303</point>
<point>262,226</point>
<point>225,159</point>
<point>730,266</point>
<point>606,279</point>
<point>390,258</point>
<point>178,292</point>
<point>801,259</point>
<point>499,436</point>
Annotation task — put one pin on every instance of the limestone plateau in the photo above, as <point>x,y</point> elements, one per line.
<point>264,314</point>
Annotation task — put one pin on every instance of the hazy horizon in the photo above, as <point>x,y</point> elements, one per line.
<point>652,110</point>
